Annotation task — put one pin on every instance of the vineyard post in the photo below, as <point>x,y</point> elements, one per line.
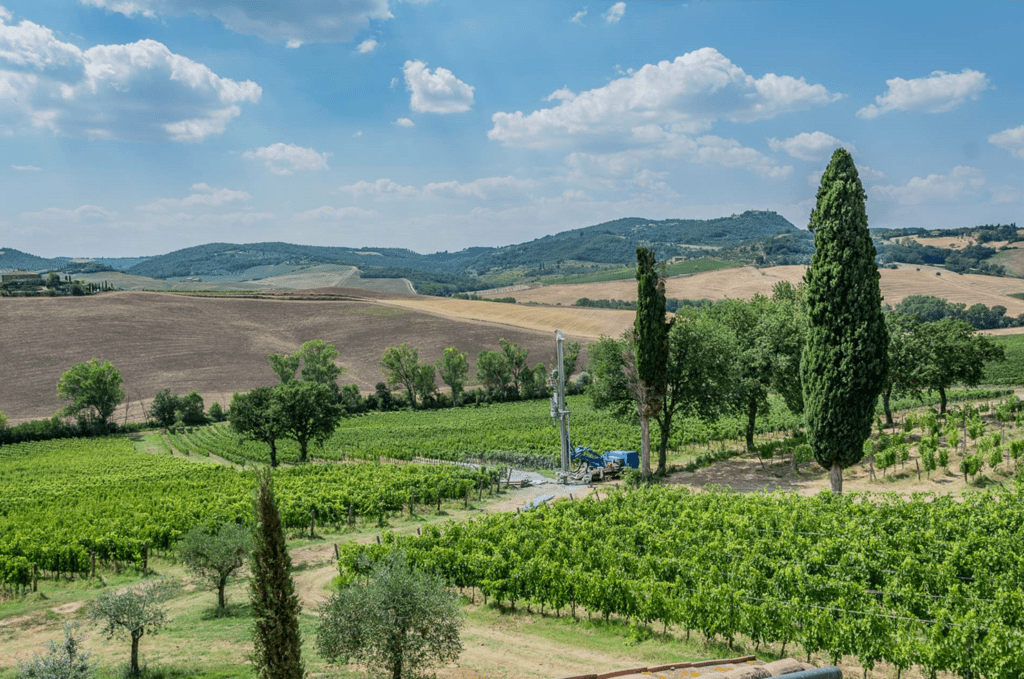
<point>92,557</point>
<point>412,504</point>
<point>145,558</point>
<point>35,579</point>
<point>312,522</point>
<point>918,463</point>
<point>480,490</point>
<point>336,555</point>
<point>351,517</point>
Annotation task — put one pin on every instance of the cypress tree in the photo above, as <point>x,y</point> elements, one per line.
<point>275,606</point>
<point>650,332</point>
<point>845,362</point>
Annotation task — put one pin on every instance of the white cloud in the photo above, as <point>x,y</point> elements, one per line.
<point>284,159</point>
<point>615,13</point>
<point>577,18</point>
<point>26,168</point>
<point>810,145</point>
<point>140,90</point>
<point>437,92</point>
<point>367,46</point>
<point>1001,195</point>
<point>327,213</point>
<point>294,22</point>
<point>204,196</point>
<point>81,214</point>
<point>379,188</point>
<point>960,180</point>
<point>405,122</point>
<point>1012,140</point>
<point>937,93</point>
<point>357,133</point>
<point>686,95</point>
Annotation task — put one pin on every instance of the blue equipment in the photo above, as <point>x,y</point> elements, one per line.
<point>611,464</point>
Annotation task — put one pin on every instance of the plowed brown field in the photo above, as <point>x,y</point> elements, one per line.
<point>216,345</point>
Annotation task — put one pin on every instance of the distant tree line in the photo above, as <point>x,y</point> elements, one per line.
<point>980,317</point>
<point>671,304</point>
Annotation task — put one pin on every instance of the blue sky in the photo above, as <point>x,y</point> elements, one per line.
<point>136,127</point>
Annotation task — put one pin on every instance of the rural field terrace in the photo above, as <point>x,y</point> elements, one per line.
<point>745,282</point>
<point>218,345</point>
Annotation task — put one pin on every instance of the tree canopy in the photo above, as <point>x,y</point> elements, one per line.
<point>94,390</point>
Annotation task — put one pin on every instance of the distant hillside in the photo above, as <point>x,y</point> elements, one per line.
<point>16,259</point>
<point>616,242</point>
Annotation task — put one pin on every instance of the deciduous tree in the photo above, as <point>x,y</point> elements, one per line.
<point>93,388</point>
<point>257,416</point>
<point>845,361</point>
<point>492,370</point>
<point>953,353</point>
<point>132,613</point>
<point>453,367</point>
<point>165,408</point>
<point>515,359</point>
<point>309,412</point>
<point>400,367</point>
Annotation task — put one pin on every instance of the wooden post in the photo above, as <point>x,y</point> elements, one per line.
<point>351,515</point>
<point>92,557</point>
<point>412,504</point>
<point>336,554</point>
<point>312,522</point>
<point>145,558</point>
<point>378,539</point>
<point>570,496</point>
<point>918,463</point>
<point>439,501</point>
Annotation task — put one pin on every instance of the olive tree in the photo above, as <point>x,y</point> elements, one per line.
<point>214,554</point>
<point>398,623</point>
<point>132,613</point>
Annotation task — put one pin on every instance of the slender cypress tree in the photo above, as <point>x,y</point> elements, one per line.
<point>845,362</point>
<point>650,331</point>
<point>275,605</point>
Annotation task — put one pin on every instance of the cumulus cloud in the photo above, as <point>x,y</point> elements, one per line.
<point>293,22</point>
<point>285,159</point>
<point>809,145</point>
<point>1001,195</point>
<point>26,168</point>
<point>405,122</point>
<point>203,196</point>
<point>437,92</point>
<point>81,214</point>
<point>578,17</point>
<point>140,90</point>
<point>615,13</point>
<point>484,188</point>
<point>1012,140</point>
<point>327,213</point>
<point>367,46</point>
<point>684,96</point>
<point>378,188</point>
<point>937,93</point>
<point>960,180</point>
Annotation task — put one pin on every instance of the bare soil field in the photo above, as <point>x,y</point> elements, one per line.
<point>220,345</point>
<point>745,282</point>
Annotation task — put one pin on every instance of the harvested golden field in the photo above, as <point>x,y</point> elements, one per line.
<point>745,282</point>
<point>218,345</point>
<point>576,322</point>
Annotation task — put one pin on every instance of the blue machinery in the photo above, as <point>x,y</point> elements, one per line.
<point>588,465</point>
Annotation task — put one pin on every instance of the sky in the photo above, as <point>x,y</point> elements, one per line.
<point>138,127</point>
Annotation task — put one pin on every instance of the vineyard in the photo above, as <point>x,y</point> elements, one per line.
<point>931,582</point>
<point>62,501</point>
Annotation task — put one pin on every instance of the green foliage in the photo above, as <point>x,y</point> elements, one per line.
<point>164,408</point>
<point>400,366</point>
<point>953,353</point>
<point>494,372</point>
<point>308,412</point>
<point>1011,370</point>
<point>93,388</point>
<point>650,338</point>
<point>277,643</point>
<point>453,368</point>
<point>132,613</point>
<point>399,622</point>
<point>66,660</point>
<point>845,360</point>
<point>515,358</point>
<point>190,409</point>
<point>257,416</point>
<point>215,553</point>
<point>217,412</point>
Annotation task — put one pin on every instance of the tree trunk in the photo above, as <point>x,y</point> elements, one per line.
<point>645,445</point>
<point>136,636</point>
<point>303,446</point>
<point>273,453</point>
<point>751,418</point>
<point>220,591</point>
<point>942,400</point>
<point>835,477</point>
<point>666,427</point>
<point>885,403</point>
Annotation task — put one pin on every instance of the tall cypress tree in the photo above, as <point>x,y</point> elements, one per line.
<point>275,606</point>
<point>845,361</point>
<point>650,332</point>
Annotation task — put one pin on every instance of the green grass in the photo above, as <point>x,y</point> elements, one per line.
<point>1010,371</point>
<point>1018,295</point>
<point>625,273</point>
